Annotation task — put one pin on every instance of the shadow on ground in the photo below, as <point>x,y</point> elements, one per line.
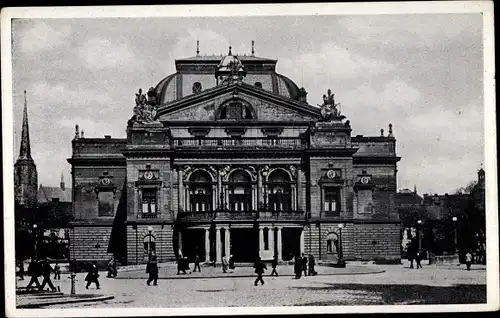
<point>407,294</point>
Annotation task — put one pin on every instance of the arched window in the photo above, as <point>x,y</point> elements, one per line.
<point>236,110</point>
<point>258,84</point>
<point>279,191</point>
<point>200,192</point>
<point>240,191</point>
<point>196,87</point>
<point>149,244</point>
<point>332,243</point>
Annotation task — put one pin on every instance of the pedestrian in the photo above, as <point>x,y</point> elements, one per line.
<point>112,273</point>
<point>304,264</point>
<point>468,260</point>
<point>410,258</point>
<point>180,265</point>
<point>152,270</point>
<point>197,263</point>
<point>224,264</point>
<point>21,270</point>
<point>418,259</point>
<point>57,271</point>
<point>46,271</point>
<point>93,276</point>
<point>297,267</point>
<point>259,270</point>
<point>186,264</point>
<point>34,271</point>
<point>312,263</point>
<point>231,263</point>
<point>274,264</point>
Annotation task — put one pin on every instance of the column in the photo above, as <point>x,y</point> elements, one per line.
<point>299,189</point>
<point>261,241</point>
<point>181,190</point>
<point>214,197</point>
<point>271,240</point>
<point>218,245</point>
<point>280,245</point>
<point>260,197</point>
<point>188,201</point>
<point>302,241</point>
<point>228,243</point>
<point>294,198</point>
<point>219,187</point>
<point>207,245</point>
<point>179,240</point>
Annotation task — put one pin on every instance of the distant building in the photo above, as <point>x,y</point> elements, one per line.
<point>25,173</point>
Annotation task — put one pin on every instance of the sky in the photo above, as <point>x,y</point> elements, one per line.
<point>421,72</point>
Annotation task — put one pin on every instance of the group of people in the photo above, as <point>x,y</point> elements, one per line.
<point>418,259</point>
<point>39,268</point>
<point>303,264</point>
<point>227,263</point>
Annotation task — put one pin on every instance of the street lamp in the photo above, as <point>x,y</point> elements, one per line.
<point>341,262</point>
<point>150,230</point>
<point>419,222</point>
<point>454,219</point>
<point>34,236</point>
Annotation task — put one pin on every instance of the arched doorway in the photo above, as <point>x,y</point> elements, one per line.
<point>332,246</point>
<point>240,192</point>
<point>200,192</point>
<point>279,191</point>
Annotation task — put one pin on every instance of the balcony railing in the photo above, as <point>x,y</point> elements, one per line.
<point>245,142</point>
<point>147,216</point>
<point>241,215</point>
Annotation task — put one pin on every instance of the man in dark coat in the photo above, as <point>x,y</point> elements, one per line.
<point>181,265</point>
<point>152,270</point>
<point>418,258</point>
<point>46,271</point>
<point>304,264</point>
<point>312,263</point>
<point>297,267</point>
<point>197,263</point>
<point>34,271</point>
<point>231,262</point>
<point>93,275</point>
<point>259,270</point>
<point>21,270</point>
<point>274,264</point>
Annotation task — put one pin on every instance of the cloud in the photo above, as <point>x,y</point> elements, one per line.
<point>412,30</point>
<point>41,36</point>
<point>101,54</point>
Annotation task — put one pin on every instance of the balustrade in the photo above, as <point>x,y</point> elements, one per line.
<point>279,142</point>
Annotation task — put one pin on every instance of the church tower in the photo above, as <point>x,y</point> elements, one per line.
<point>25,174</point>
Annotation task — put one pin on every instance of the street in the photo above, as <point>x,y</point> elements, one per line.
<point>397,285</point>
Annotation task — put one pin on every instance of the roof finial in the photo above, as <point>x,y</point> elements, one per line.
<point>382,132</point>
<point>197,48</point>
<point>253,47</point>
<point>390,130</point>
<point>77,132</point>
<point>230,50</point>
<point>83,136</point>
<point>415,188</point>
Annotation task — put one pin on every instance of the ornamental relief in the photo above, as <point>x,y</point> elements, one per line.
<point>225,171</point>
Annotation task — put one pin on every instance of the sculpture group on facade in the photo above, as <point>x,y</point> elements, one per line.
<point>329,109</point>
<point>145,107</point>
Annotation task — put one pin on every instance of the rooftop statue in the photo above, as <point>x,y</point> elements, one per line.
<point>329,110</point>
<point>145,109</point>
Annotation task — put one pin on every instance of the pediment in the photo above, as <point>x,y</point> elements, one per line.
<point>222,103</point>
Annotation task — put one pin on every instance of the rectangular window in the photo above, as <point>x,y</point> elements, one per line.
<point>331,203</point>
<point>106,203</point>
<point>149,201</point>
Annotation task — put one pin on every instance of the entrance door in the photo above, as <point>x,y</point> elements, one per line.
<point>244,244</point>
<point>291,242</point>
<point>193,243</point>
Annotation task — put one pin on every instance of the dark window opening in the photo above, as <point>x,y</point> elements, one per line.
<point>235,111</point>
<point>149,201</point>
<point>106,203</point>
<point>331,202</point>
<point>266,238</point>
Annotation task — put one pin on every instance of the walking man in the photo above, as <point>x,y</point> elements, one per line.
<point>468,260</point>
<point>112,268</point>
<point>312,263</point>
<point>57,271</point>
<point>46,271</point>
<point>410,258</point>
<point>259,270</point>
<point>418,258</point>
<point>152,270</point>
<point>197,263</point>
<point>34,271</point>
<point>297,267</point>
<point>21,270</point>
<point>304,264</point>
<point>224,264</point>
<point>93,276</point>
<point>274,264</point>
<point>231,263</point>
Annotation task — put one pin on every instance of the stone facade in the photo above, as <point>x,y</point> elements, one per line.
<point>236,168</point>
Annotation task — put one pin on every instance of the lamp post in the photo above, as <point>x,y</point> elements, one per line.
<point>419,222</point>
<point>150,230</point>
<point>454,219</point>
<point>34,237</point>
<point>341,262</point>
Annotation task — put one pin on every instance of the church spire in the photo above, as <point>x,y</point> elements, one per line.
<point>63,186</point>
<point>25,151</point>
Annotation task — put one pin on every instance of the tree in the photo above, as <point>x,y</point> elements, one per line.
<point>467,189</point>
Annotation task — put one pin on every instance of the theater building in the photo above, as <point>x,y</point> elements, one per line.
<point>226,156</point>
